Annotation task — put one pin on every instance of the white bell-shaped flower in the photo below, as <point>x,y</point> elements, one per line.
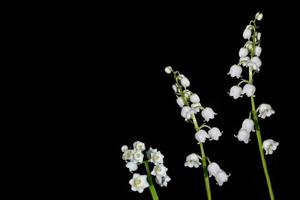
<point>208,113</point>
<point>192,160</point>
<point>201,136</point>
<point>249,45</point>
<point>138,156</point>
<point>269,146</point>
<point>248,124</point>
<point>257,63</point>
<point>196,107</point>
<point>243,52</point>
<point>194,98</point>
<point>258,36</point>
<point>221,178</point>
<point>213,169</point>
<point>235,91</point>
<point>159,170</point>
<point>187,93</point>
<point>243,136</point>
<point>139,146</point>
<point>249,90</point>
<point>138,182</point>
<point>265,110</point>
<point>214,133</point>
<point>235,71</point>
<point>132,166</point>
<point>175,89</point>
<point>127,154</point>
<point>184,81</point>
<point>148,153</point>
<point>187,112</point>
<point>156,157</point>
<point>162,180</point>
<point>258,16</point>
<point>258,51</point>
<point>180,101</point>
<point>168,70</point>
<point>245,61</point>
<point>184,111</point>
<point>247,32</point>
<point>124,148</point>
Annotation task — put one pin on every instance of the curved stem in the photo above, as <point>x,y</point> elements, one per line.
<point>260,147</point>
<point>204,164</point>
<point>151,185</point>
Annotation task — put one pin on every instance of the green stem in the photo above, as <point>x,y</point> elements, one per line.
<point>260,147</point>
<point>257,127</point>
<point>151,185</point>
<point>204,164</point>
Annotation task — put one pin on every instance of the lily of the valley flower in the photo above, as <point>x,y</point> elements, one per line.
<point>248,124</point>
<point>139,145</point>
<point>243,52</point>
<point>247,32</point>
<point>194,98</point>
<point>258,50</point>
<point>256,63</point>
<point>180,101</point>
<point>269,146</point>
<point>243,135</point>
<point>184,81</point>
<point>187,112</point>
<point>245,61</point>
<point>213,169</point>
<point>236,92</point>
<point>138,156</point>
<point>201,136</point>
<point>249,90</point>
<point>175,88</point>
<point>162,180</point>
<point>265,110</point>
<point>132,166</point>
<point>208,113</point>
<point>127,154</point>
<point>124,148</point>
<point>156,157</point>
<point>192,160</point>
<point>258,36</point>
<point>258,16</point>
<point>138,182</point>
<point>220,176</point>
<point>159,170</point>
<point>235,71</point>
<point>214,133</point>
<point>168,70</point>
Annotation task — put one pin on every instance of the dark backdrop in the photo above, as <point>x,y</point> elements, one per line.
<point>121,94</point>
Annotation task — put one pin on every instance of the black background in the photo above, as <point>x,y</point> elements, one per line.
<point>115,92</point>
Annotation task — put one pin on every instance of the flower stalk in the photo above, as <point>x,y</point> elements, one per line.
<point>204,164</point>
<point>151,185</point>
<point>256,123</point>
<point>249,58</point>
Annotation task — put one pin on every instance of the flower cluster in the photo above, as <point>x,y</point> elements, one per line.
<point>249,57</point>
<point>190,105</point>
<point>134,157</point>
